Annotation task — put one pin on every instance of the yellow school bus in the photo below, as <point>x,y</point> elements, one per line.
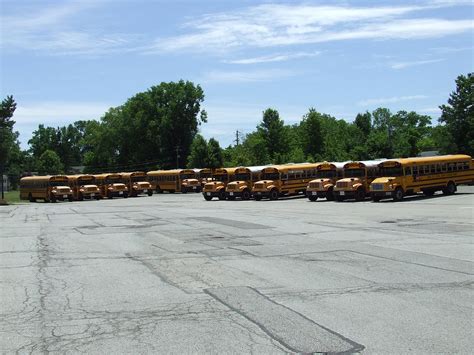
<point>357,178</point>
<point>111,185</point>
<point>203,175</point>
<point>284,180</point>
<point>323,186</point>
<point>408,176</point>
<point>244,178</point>
<point>48,188</point>
<point>83,186</point>
<point>137,183</point>
<point>216,188</point>
<point>177,180</point>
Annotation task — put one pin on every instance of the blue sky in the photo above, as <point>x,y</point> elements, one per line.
<point>70,60</point>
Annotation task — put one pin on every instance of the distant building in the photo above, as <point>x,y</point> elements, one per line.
<point>6,183</point>
<point>429,153</point>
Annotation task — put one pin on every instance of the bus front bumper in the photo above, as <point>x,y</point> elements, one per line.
<point>262,194</point>
<point>211,194</point>
<point>381,194</point>
<point>344,193</point>
<point>233,194</point>
<point>320,194</point>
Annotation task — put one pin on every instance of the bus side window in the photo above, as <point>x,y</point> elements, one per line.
<point>465,166</point>
<point>443,167</point>
<point>407,171</point>
<point>433,169</point>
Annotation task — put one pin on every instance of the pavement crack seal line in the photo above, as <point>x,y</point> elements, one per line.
<point>155,272</point>
<point>291,329</point>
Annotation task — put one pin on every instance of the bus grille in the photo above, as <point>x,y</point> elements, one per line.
<point>377,186</point>
<point>259,185</point>
<point>314,185</point>
<point>342,184</point>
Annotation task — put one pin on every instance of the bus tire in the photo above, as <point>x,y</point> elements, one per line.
<point>158,190</point>
<point>398,194</point>
<point>52,198</point>
<point>258,198</point>
<point>339,198</point>
<point>360,194</point>
<point>450,189</point>
<point>221,195</point>
<point>273,194</point>
<point>98,198</point>
<point>246,195</point>
<point>150,192</point>
<point>125,195</point>
<point>184,190</point>
<point>330,194</point>
<point>376,199</point>
<point>70,199</point>
<point>312,198</point>
<point>30,198</point>
<point>428,192</point>
<point>231,198</point>
<point>208,198</point>
<point>80,197</point>
<point>171,191</point>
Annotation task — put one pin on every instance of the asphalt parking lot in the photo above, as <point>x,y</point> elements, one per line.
<point>177,274</point>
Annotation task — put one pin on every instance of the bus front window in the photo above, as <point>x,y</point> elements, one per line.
<point>58,183</point>
<point>187,176</point>
<point>242,177</point>
<point>391,171</point>
<point>270,176</point>
<point>354,173</point>
<point>326,174</point>
<point>137,178</point>
<point>221,177</point>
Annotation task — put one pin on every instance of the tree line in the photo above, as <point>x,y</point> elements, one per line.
<point>159,128</point>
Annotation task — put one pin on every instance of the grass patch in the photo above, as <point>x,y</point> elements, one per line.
<point>11,197</point>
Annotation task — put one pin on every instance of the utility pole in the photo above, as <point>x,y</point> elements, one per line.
<point>237,138</point>
<point>177,156</point>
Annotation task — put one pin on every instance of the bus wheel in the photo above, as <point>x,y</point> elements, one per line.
<point>30,198</point>
<point>70,199</point>
<point>246,195</point>
<point>109,195</point>
<point>376,199</point>
<point>184,190</point>
<point>97,198</point>
<point>158,190</point>
<point>339,198</point>
<point>231,198</point>
<point>360,194</point>
<point>80,197</point>
<point>207,198</point>
<point>150,192</point>
<point>52,198</point>
<point>428,192</point>
<point>398,194</point>
<point>273,195</point>
<point>221,195</point>
<point>258,198</point>
<point>312,197</point>
<point>125,194</point>
<point>450,189</point>
<point>330,195</point>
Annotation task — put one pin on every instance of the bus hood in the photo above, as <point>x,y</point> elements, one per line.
<point>384,180</point>
<point>62,190</point>
<point>235,185</point>
<point>191,182</point>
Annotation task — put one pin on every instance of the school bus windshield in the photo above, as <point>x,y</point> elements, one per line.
<point>391,171</point>
<point>221,177</point>
<point>354,172</point>
<point>85,181</point>
<point>244,176</point>
<point>270,176</point>
<point>112,180</point>
<point>57,183</point>
<point>138,178</point>
<point>326,174</point>
<point>187,176</point>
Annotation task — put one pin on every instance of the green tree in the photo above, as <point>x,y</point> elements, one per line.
<point>458,115</point>
<point>214,154</point>
<point>363,122</point>
<point>311,134</point>
<point>272,130</point>
<point>198,158</point>
<point>49,163</point>
<point>8,138</point>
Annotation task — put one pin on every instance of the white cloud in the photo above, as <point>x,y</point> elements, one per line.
<point>49,31</point>
<point>390,100</point>
<point>280,25</point>
<point>403,65</point>
<point>274,58</point>
<point>218,76</point>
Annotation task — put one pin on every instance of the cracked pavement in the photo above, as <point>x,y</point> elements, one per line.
<point>173,273</point>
